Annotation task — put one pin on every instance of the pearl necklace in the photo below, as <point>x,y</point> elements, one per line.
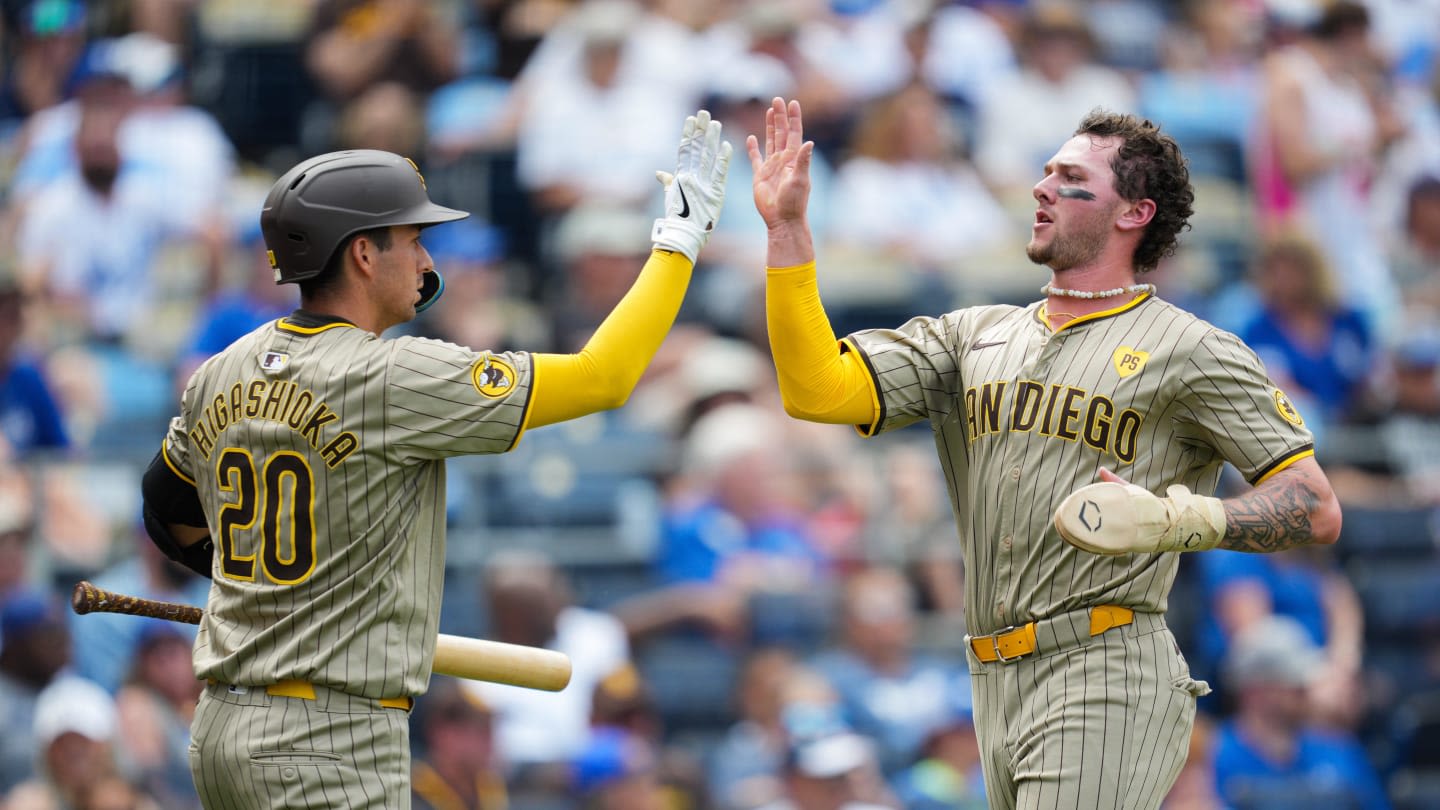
<point>1063,293</point>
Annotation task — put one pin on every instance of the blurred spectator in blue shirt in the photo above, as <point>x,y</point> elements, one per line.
<point>1205,90</point>
<point>1269,750</point>
<point>891,692</point>
<point>155,707</point>
<point>34,649</point>
<point>30,417</point>
<point>735,520</point>
<point>1314,345</point>
<point>106,643</point>
<point>947,775</point>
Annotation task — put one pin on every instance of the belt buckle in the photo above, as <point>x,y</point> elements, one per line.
<point>995,645</point>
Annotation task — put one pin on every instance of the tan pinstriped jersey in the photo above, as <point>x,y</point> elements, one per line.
<point>318,452</point>
<point>1022,417</point>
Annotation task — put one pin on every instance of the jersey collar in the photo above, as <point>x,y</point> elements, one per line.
<point>304,322</point>
<point>1093,316</point>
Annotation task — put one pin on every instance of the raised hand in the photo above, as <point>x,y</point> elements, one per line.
<point>782,171</point>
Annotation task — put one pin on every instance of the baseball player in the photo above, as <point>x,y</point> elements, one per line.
<point>1082,698</point>
<point>305,472</point>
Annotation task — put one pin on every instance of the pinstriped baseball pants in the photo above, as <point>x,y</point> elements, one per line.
<point>1103,722</point>
<point>252,751</point>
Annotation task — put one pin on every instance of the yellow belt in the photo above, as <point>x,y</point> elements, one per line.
<point>306,691</point>
<point>1017,642</point>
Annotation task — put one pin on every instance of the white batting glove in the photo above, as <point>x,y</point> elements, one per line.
<point>696,191</point>
<point>1110,518</point>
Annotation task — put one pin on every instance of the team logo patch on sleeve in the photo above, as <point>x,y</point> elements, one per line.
<point>1287,409</point>
<point>1129,361</point>
<point>493,378</point>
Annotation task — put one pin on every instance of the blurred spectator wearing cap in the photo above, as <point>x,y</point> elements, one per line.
<point>596,248</point>
<point>455,765</point>
<point>169,143</point>
<point>1268,750</point>
<point>597,88</point>
<point>744,768</point>
<point>155,707</point>
<point>947,774</point>
<point>528,601</point>
<point>738,93</point>
<point>1410,432</point>
<point>617,770</point>
<point>108,185</point>
<point>827,766</point>
<point>890,691</point>
<point>34,649</point>
<point>1058,83</point>
<point>44,39</point>
<point>909,213</point>
<point>1415,254</point>
<point>623,701</point>
<point>75,727</point>
<point>106,643</point>
<point>1326,119</point>
<point>482,308</point>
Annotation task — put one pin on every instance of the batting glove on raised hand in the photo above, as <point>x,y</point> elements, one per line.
<point>696,191</point>
<point>1111,518</point>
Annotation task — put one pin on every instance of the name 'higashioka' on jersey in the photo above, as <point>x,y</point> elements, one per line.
<point>278,401</point>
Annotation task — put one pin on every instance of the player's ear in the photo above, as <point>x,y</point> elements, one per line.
<point>362,252</point>
<point>1136,215</point>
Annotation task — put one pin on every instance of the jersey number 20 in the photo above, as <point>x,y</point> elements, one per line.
<point>282,497</point>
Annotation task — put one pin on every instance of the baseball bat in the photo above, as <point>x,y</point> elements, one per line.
<point>473,658</point>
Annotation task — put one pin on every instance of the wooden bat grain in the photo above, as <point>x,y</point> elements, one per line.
<point>473,658</point>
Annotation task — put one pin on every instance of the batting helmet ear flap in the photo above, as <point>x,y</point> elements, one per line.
<point>432,286</point>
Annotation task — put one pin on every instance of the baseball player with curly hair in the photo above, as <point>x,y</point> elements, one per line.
<point>305,473</point>
<point>1077,435</point>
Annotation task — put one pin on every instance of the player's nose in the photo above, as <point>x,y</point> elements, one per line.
<point>1043,190</point>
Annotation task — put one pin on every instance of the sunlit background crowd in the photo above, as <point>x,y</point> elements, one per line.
<point>762,613</point>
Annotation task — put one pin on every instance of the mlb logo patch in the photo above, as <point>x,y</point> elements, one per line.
<point>272,362</point>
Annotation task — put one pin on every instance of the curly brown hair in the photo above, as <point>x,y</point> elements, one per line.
<point>1147,164</point>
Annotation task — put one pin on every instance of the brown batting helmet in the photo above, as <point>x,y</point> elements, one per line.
<point>313,208</point>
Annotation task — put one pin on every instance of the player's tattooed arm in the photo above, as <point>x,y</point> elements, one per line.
<point>1295,507</point>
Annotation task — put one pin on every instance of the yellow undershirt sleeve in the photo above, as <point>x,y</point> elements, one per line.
<point>602,375</point>
<point>818,382</point>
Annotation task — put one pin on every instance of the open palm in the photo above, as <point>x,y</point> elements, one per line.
<point>782,171</point>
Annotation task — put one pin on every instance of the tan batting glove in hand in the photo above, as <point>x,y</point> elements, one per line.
<point>1122,518</point>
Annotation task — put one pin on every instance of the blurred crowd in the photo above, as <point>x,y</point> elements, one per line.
<point>762,613</point>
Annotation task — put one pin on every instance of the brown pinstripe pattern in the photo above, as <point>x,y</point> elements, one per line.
<point>369,423</point>
<point>1022,417</point>
<point>253,750</point>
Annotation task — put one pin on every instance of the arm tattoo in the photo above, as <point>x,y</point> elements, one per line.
<point>1273,517</point>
